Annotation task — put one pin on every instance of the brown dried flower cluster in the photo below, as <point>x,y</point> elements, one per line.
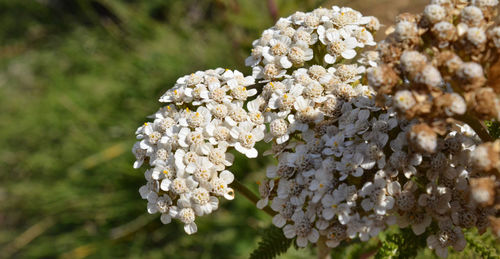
<point>441,69</point>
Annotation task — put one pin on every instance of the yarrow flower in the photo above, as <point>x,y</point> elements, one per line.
<point>364,139</point>
<point>290,44</point>
<point>328,134</point>
<point>328,137</point>
<point>187,144</point>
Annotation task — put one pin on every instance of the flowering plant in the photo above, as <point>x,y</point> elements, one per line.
<point>363,138</point>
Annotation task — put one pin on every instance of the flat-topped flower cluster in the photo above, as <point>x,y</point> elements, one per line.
<point>363,139</point>
<point>186,144</point>
<point>322,37</point>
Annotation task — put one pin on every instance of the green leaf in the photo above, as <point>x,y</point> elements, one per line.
<point>401,244</point>
<point>273,243</point>
<point>481,245</point>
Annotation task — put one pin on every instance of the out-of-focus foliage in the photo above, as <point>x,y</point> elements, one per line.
<point>494,128</point>
<point>76,79</point>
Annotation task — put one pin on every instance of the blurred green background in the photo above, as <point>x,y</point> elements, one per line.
<point>76,79</point>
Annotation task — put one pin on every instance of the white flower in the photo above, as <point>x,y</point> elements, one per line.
<point>404,163</point>
<point>335,145</point>
<point>375,197</point>
<point>381,127</point>
<point>218,131</point>
<point>265,189</point>
<point>350,166</point>
<point>193,140</point>
<point>285,211</point>
<point>219,185</point>
<point>187,144</point>
<point>149,190</point>
<point>436,199</point>
<point>254,113</point>
<point>417,220</point>
<point>305,114</point>
<point>335,235</point>
<point>340,45</point>
<point>202,202</point>
<point>302,228</point>
<point>186,216</point>
<point>279,129</point>
<point>247,135</point>
<point>332,204</point>
<point>369,58</point>
<point>139,154</point>
<point>363,36</point>
<point>322,182</point>
<point>219,157</point>
<point>448,235</point>
<point>163,170</point>
<point>299,54</point>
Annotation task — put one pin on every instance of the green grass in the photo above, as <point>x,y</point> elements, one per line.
<point>74,86</point>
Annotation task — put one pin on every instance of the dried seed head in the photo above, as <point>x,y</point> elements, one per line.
<point>406,31</point>
<point>486,157</point>
<point>423,138</point>
<point>471,16</point>
<point>476,36</point>
<point>383,77</point>
<point>445,33</point>
<point>434,13</point>
<point>430,77</point>
<point>470,76</point>
<point>483,190</point>
<point>413,62</point>
<point>484,103</point>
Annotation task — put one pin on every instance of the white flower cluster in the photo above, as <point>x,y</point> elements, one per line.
<point>356,172</point>
<point>327,133</point>
<point>328,179</point>
<point>322,37</point>
<point>347,168</point>
<point>187,144</point>
<point>348,163</point>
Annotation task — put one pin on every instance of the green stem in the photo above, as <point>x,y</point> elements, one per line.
<point>250,196</point>
<point>257,86</point>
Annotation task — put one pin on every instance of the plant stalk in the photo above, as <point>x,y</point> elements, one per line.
<point>323,250</point>
<point>476,125</point>
<point>247,193</point>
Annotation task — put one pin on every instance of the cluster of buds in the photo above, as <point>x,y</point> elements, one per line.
<point>187,144</point>
<point>434,69</point>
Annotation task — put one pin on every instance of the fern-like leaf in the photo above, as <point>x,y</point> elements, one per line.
<point>401,244</point>
<point>273,243</point>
